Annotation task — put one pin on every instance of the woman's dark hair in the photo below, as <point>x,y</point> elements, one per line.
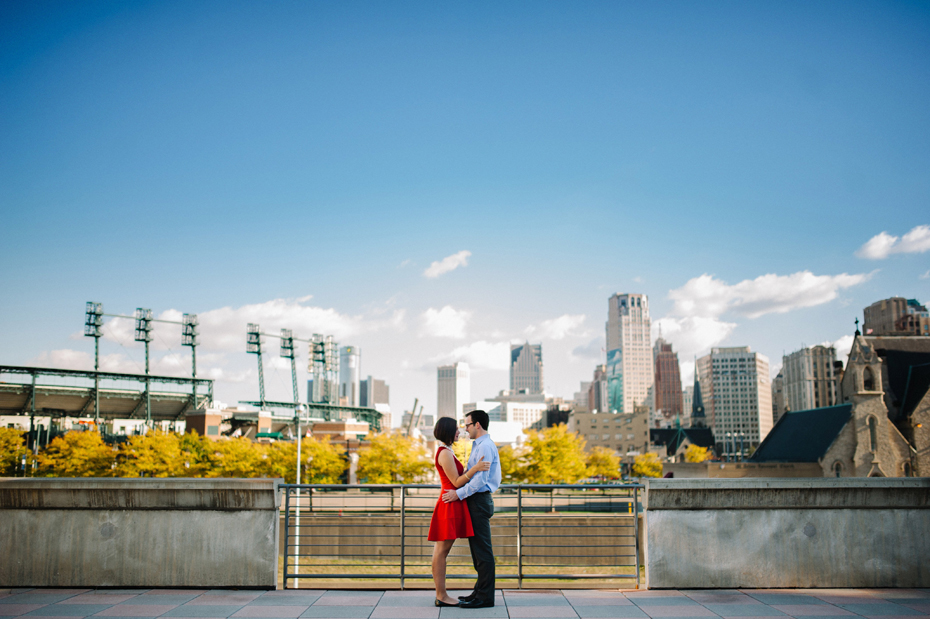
<point>445,430</point>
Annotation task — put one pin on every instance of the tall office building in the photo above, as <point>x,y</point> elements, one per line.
<point>738,396</point>
<point>687,398</point>
<point>597,391</point>
<point>896,316</point>
<point>350,367</point>
<point>630,371</point>
<point>809,381</point>
<point>373,391</point>
<point>778,397</point>
<point>526,368</point>
<point>667,388</point>
<point>454,389</point>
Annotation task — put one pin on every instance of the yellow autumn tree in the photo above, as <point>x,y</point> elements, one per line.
<point>393,459</point>
<point>77,454</point>
<point>198,454</point>
<point>553,456</point>
<point>156,454</point>
<point>647,465</point>
<point>603,462</point>
<point>237,457</point>
<point>321,461</point>
<point>511,465</point>
<point>462,450</point>
<point>696,453</point>
<point>12,450</point>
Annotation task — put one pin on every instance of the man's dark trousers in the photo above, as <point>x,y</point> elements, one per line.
<point>481,508</point>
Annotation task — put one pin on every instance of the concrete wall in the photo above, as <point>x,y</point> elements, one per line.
<point>733,470</point>
<point>138,532</point>
<point>773,533</point>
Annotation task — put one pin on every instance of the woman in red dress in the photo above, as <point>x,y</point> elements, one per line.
<point>450,520</point>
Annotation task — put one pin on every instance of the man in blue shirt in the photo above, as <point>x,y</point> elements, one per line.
<point>480,507</point>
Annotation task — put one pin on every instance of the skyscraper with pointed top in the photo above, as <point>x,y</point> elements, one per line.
<point>526,368</point>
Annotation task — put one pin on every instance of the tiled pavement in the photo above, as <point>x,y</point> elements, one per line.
<point>510,604</point>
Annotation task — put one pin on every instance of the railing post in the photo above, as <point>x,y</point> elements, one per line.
<point>403,491</point>
<point>520,536</point>
<point>636,529</point>
<point>287,531</point>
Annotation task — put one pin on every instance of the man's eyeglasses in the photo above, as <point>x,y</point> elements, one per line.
<point>468,424</point>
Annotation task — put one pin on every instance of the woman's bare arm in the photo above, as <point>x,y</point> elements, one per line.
<point>447,461</point>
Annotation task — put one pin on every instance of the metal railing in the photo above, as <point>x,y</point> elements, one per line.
<point>539,532</point>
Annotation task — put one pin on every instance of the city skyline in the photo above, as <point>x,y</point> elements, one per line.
<point>435,184</point>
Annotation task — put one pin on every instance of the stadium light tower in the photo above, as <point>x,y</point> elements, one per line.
<point>287,352</point>
<point>253,345</point>
<point>144,334</point>
<point>93,327</point>
<point>189,335</point>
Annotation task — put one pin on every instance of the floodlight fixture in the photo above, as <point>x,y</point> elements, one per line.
<point>287,343</point>
<point>93,319</point>
<point>253,342</point>
<point>189,330</point>
<point>143,325</point>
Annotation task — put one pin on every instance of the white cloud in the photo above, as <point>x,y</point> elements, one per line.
<point>557,328</point>
<point>449,263</point>
<point>708,297</point>
<point>925,275</point>
<point>592,351</point>
<point>883,244</point>
<point>480,355</point>
<point>842,346</point>
<point>445,322</point>
<point>693,335</point>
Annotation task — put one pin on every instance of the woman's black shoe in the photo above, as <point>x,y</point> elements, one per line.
<point>441,604</point>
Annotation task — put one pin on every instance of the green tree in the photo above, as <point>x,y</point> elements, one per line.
<point>77,454</point>
<point>12,450</point>
<point>554,455</point>
<point>156,454</point>
<point>393,459</point>
<point>647,465</point>
<point>603,462</point>
<point>696,453</point>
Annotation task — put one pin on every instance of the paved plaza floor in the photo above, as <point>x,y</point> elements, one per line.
<point>510,604</point>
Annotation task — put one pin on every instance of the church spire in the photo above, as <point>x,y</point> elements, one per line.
<point>697,403</point>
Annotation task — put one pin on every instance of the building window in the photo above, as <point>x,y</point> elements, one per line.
<point>838,468</point>
<point>868,381</point>
<point>907,469</point>
<point>873,434</point>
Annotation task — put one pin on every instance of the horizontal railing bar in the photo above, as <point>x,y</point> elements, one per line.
<point>526,487</point>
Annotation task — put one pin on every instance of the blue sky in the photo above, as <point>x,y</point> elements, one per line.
<point>303,164</point>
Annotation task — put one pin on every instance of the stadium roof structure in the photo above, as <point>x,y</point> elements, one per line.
<point>317,411</point>
<point>70,393</point>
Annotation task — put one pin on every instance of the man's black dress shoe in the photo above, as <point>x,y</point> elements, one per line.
<point>442,604</point>
<point>467,598</point>
<point>476,603</point>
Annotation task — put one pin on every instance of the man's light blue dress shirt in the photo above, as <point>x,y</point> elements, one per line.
<point>483,481</point>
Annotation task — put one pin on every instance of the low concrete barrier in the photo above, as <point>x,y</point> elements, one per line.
<point>139,532</point>
<point>773,533</point>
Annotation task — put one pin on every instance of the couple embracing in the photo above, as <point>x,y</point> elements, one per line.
<point>465,507</point>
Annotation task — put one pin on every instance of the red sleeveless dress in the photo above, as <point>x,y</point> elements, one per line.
<point>450,520</point>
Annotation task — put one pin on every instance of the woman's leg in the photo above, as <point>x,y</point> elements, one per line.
<point>440,552</point>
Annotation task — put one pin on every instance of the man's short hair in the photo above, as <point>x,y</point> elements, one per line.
<point>445,430</point>
<point>480,417</point>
